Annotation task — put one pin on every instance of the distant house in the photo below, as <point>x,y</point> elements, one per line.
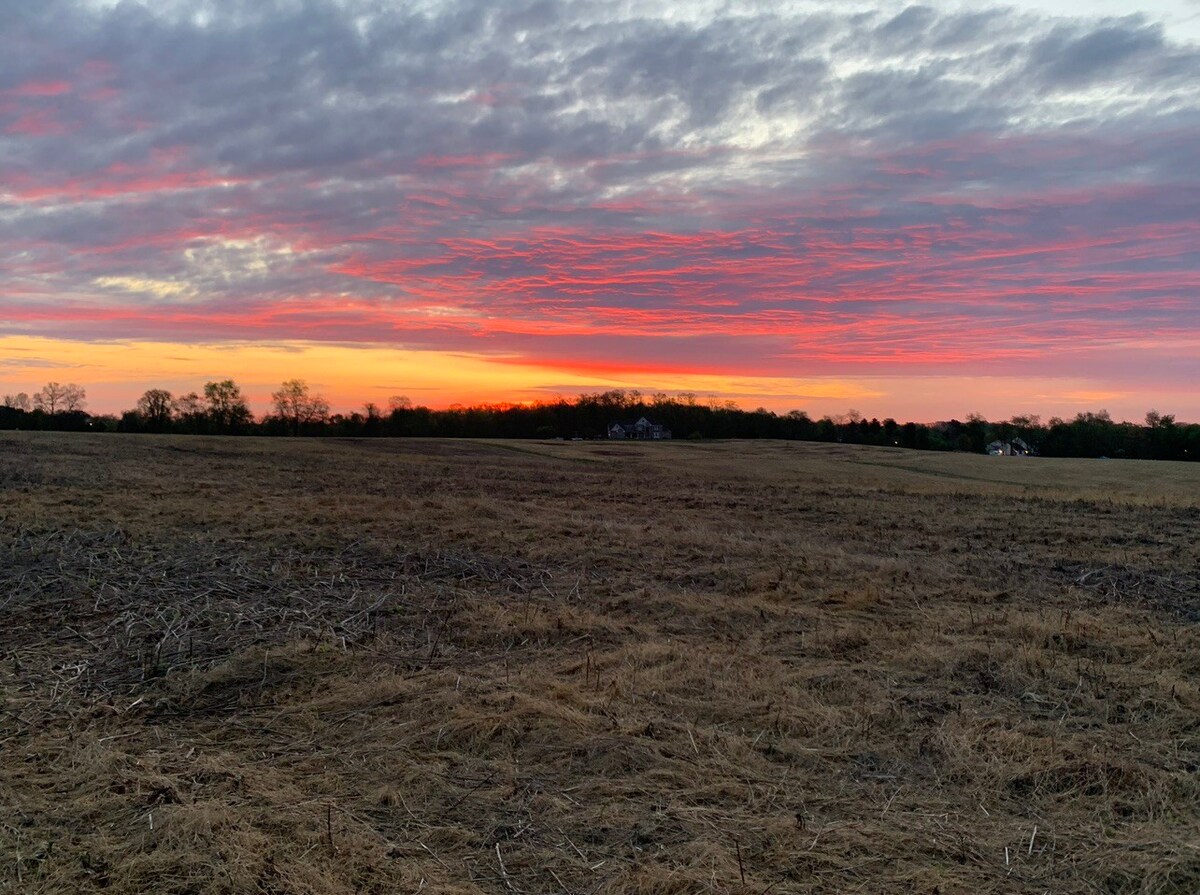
<point>1015,448</point>
<point>639,429</point>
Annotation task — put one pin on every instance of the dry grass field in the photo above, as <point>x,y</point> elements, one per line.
<point>327,667</point>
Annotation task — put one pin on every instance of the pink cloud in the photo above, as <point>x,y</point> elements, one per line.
<point>40,123</point>
<point>39,89</point>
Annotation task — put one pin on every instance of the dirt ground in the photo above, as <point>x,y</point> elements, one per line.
<point>294,666</point>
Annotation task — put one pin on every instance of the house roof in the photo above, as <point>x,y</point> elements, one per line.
<point>632,424</point>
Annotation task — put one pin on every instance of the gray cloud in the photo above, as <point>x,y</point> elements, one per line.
<point>280,151</point>
<point>273,87</point>
<point>1071,55</point>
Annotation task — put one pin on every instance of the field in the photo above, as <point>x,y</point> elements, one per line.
<point>294,666</point>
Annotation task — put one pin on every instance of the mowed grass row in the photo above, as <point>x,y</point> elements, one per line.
<point>377,666</point>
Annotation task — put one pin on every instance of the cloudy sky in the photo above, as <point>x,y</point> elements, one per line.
<point>915,211</point>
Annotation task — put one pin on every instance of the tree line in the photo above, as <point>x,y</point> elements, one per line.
<point>221,408</point>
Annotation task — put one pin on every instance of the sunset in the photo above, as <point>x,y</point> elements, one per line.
<point>917,212</point>
<point>599,447</point>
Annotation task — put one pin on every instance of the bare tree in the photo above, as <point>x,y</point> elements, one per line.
<point>189,410</point>
<point>296,404</point>
<point>19,401</point>
<point>74,399</point>
<point>56,398</point>
<point>157,408</point>
<point>399,402</point>
<point>49,399</point>
<point>189,405</point>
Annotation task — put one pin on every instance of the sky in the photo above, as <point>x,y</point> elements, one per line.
<point>915,211</point>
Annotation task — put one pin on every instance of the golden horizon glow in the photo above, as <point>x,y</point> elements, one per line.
<point>116,373</point>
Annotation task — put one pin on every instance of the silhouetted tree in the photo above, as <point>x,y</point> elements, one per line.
<point>1156,420</point>
<point>227,409</point>
<point>190,414</point>
<point>49,398</point>
<point>223,409</point>
<point>298,406</point>
<point>156,408</point>
<point>56,397</point>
